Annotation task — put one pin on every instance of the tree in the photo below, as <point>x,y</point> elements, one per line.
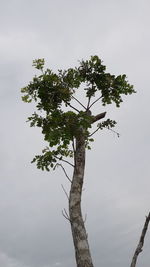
<point>67,126</point>
<point>139,247</point>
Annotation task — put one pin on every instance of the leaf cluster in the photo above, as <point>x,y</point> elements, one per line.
<point>110,86</point>
<point>106,124</point>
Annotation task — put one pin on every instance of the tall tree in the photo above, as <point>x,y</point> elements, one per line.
<point>67,125</point>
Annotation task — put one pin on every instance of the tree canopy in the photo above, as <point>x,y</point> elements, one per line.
<point>58,117</point>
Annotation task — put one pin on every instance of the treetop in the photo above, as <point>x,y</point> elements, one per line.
<point>60,119</point>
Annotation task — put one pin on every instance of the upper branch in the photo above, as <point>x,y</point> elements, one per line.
<point>98,117</point>
<point>78,102</point>
<point>94,132</point>
<point>65,161</point>
<point>95,102</point>
<point>58,164</point>
<point>88,104</point>
<point>72,106</point>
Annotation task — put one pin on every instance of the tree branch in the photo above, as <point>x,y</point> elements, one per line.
<point>65,161</point>
<point>58,164</point>
<point>88,104</point>
<point>141,242</point>
<point>118,134</point>
<point>65,214</point>
<point>98,128</point>
<point>65,191</point>
<point>72,106</point>
<point>94,132</point>
<point>95,102</point>
<point>98,117</point>
<point>78,102</point>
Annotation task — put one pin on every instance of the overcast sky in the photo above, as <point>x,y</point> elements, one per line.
<point>33,232</point>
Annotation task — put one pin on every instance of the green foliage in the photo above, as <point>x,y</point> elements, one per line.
<point>39,63</point>
<point>53,94</point>
<point>111,87</point>
<point>106,124</point>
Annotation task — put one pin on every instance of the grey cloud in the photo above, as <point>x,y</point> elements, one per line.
<point>116,196</point>
<point>7,261</point>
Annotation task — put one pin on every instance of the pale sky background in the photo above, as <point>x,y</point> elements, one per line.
<point>33,232</point>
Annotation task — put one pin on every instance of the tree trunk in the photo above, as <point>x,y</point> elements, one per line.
<point>82,251</point>
<point>141,242</point>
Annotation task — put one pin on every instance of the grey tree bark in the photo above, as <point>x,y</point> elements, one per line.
<point>80,239</point>
<point>82,251</point>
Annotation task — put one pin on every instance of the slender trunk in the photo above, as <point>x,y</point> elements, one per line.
<point>141,241</point>
<point>82,251</point>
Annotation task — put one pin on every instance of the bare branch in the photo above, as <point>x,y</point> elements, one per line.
<point>72,106</point>
<point>98,117</point>
<point>98,128</point>
<point>78,102</point>
<point>118,134</point>
<point>65,161</point>
<point>141,242</point>
<point>58,164</point>
<point>88,104</point>
<point>65,214</point>
<point>65,191</point>
<point>95,101</point>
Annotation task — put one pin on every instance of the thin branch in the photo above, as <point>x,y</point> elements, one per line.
<point>88,104</point>
<point>72,106</point>
<point>58,164</point>
<point>94,132</point>
<point>65,191</point>
<point>65,161</point>
<point>78,102</point>
<point>96,118</point>
<point>65,214</point>
<point>141,241</point>
<point>118,134</point>
<point>68,162</point>
<point>95,101</point>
